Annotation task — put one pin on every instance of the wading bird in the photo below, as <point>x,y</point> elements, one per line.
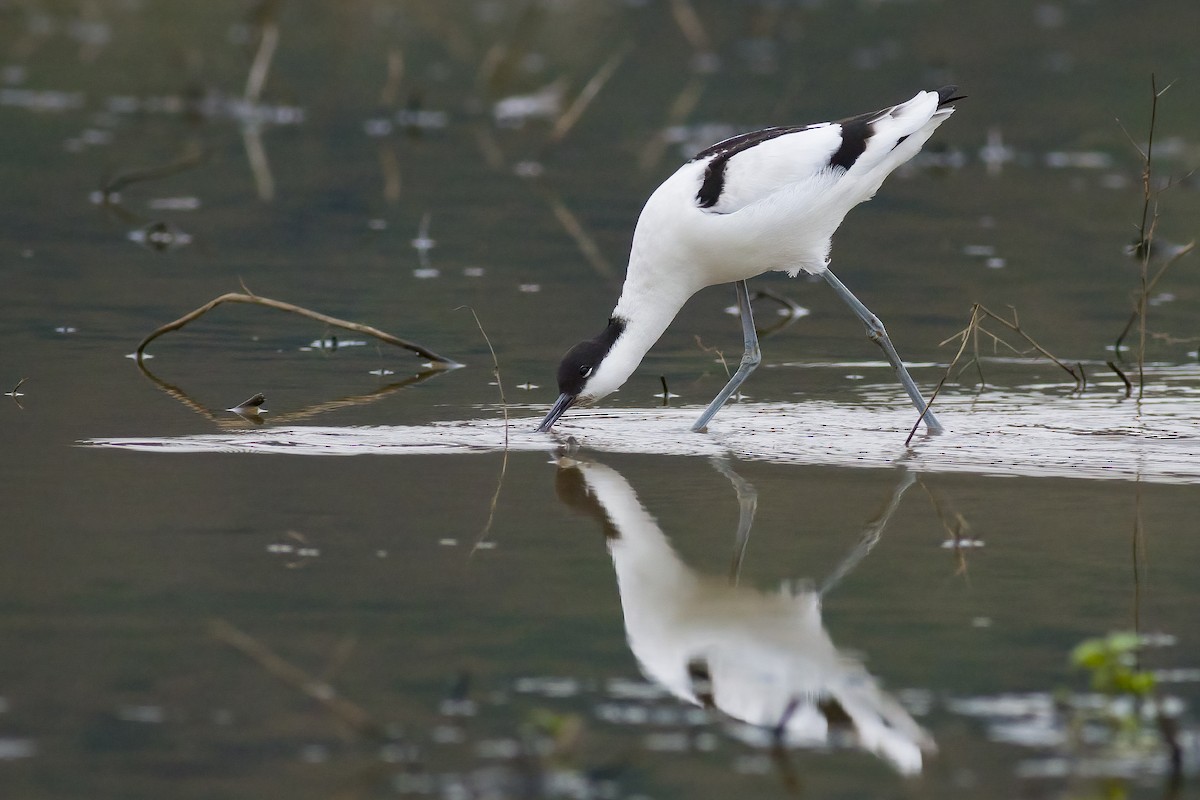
<point>758,202</point>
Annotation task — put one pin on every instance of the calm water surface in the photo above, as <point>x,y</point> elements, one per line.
<point>194,605</point>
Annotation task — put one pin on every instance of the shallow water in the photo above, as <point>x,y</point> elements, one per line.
<point>196,604</point>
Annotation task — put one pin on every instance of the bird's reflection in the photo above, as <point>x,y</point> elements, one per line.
<point>761,658</point>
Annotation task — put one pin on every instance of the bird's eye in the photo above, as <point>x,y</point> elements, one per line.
<point>585,370</point>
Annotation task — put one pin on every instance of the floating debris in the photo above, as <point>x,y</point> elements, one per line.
<point>528,386</point>
<point>12,749</point>
<point>529,288</point>
<point>381,372</point>
<point>995,154</point>
<point>423,243</point>
<point>425,273</point>
<point>422,119</point>
<point>548,686</point>
<point>955,544</point>
<point>545,103</point>
<point>66,329</point>
<point>473,272</point>
<point>146,715</point>
<point>528,169</point>
<point>186,203</point>
<point>160,236</point>
<point>42,100</point>
<point>1083,159</point>
<point>332,343</point>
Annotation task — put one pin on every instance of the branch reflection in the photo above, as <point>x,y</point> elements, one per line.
<point>225,420</point>
<point>763,659</point>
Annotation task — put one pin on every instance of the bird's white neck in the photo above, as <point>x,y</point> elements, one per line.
<point>645,323</point>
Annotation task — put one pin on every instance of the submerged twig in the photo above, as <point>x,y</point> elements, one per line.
<point>436,360</point>
<point>574,228</point>
<point>689,23</point>
<point>192,157</point>
<point>567,120</point>
<point>348,712</point>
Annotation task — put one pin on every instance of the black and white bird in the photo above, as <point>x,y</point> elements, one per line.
<point>764,201</point>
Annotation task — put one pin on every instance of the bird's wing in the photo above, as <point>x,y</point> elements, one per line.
<point>748,168</point>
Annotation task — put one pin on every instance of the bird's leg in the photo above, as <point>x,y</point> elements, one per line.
<point>877,334</point>
<point>750,357</point>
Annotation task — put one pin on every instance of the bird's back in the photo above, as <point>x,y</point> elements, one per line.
<point>772,199</point>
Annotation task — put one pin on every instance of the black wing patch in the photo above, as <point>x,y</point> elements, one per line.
<point>721,152</point>
<point>856,132</point>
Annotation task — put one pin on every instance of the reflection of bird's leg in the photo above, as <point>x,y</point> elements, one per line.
<point>747,497</point>
<point>871,533</point>
<point>877,334</point>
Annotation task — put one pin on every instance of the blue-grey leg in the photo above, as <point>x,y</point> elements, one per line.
<point>878,335</point>
<point>750,357</point>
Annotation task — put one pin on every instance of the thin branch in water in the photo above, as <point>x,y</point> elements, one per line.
<point>1133,317</point>
<point>689,23</point>
<point>979,314</point>
<point>574,228</point>
<point>267,42</point>
<point>192,157</point>
<point>720,355</point>
<point>568,119</point>
<point>437,361</point>
<point>1128,386</point>
<point>348,712</point>
<point>682,107</point>
<point>389,95</point>
<point>487,528</point>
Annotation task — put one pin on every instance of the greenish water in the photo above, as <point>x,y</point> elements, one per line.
<point>178,589</point>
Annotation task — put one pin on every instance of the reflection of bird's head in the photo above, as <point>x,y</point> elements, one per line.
<point>572,489</point>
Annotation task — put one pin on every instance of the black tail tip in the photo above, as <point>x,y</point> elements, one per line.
<point>946,95</point>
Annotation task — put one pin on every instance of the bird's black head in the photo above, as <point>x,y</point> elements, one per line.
<point>578,366</point>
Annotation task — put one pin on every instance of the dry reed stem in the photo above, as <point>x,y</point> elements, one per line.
<point>971,334</point>
<point>347,711</point>
<point>389,95</point>
<point>568,119</point>
<point>1183,251</point>
<point>682,107</point>
<point>689,23</point>
<point>487,528</point>
<point>261,66</point>
<point>574,228</point>
<point>438,361</point>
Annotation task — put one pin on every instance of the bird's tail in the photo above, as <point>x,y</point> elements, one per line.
<point>946,95</point>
